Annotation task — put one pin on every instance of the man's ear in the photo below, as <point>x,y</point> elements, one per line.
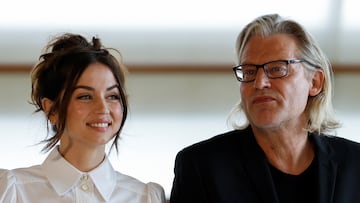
<point>46,105</point>
<point>317,83</point>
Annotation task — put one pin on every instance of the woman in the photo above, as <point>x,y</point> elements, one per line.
<point>79,86</point>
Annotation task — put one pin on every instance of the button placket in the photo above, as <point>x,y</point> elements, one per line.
<point>85,184</point>
<point>84,187</point>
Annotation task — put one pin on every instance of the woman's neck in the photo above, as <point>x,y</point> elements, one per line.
<point>82,158</point>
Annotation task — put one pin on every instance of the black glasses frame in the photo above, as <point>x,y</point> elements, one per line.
<point>290,61</point>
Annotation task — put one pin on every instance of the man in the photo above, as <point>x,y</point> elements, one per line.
<point>281,153</point>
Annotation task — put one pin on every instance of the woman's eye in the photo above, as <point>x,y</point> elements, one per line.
<point>84,97</point>
<point>114,97</point>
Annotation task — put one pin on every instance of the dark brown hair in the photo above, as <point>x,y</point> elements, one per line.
<point>59,69</point>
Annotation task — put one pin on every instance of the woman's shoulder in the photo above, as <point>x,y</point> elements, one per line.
<point>5,176</point>
<point>20,175</point>
<point>7,183</point>
<point>134,184</point>
<point>7,179</point>
<point>3,172</point>
<point>152,190</point>
<point>156,192</point>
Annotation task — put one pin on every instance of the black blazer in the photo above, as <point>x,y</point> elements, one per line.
<point>231,168</point>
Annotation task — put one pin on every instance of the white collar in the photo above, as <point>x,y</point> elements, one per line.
<point>63,176</point>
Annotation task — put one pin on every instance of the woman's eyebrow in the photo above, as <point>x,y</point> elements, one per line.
<point>92,89</point>
<point>112,87</point>
<point>84,87</point>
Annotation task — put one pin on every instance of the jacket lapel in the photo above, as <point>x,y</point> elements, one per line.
<point>327,169</point>
<point>258,169</point>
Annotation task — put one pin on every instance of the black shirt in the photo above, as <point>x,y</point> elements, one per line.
<point>296,188</point>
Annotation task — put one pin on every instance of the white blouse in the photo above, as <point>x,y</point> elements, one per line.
<point>57,181</point>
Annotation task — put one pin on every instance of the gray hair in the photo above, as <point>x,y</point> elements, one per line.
<point>319,108</point>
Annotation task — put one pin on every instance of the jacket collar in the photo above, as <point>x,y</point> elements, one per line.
<point>64,177</point>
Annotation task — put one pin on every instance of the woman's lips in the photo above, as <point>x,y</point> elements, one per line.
<point>99,123</point>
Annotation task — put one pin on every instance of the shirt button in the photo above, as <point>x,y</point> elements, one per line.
<point>84,187</point>
<point>84,177</point>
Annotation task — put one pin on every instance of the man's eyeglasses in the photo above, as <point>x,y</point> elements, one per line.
<point>272,69</point>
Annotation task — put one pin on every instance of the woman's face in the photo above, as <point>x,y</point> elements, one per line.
<point>95,112</point>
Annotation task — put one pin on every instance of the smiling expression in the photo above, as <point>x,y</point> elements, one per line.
<point>94,113</point>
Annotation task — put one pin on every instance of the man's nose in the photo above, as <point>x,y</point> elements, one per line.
<point>261,80</point>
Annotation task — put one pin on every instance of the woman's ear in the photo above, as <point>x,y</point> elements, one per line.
<point>46,105</point>
<point>317,83</point>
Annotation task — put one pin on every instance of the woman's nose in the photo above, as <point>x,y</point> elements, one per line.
<point>101,106</point>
